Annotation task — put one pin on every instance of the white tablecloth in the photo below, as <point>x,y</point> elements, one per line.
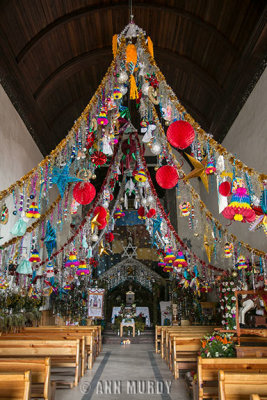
<point>139,310</point>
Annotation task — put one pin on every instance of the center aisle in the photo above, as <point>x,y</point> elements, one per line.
<point>127,372</point>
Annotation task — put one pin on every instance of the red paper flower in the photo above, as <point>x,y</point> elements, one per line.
<point>167,177</point>
<point>90,140</point>
<point>99,158</point>
<point>84,192</point>
<point>180,134</point>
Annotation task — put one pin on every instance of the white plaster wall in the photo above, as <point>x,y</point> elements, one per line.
<point>247,139</point>
<point>19,153</point>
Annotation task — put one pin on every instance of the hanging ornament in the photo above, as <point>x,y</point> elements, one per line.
<point>239,208</point>
<point>140,176</point>
<point>61,178</point>
<point>156,148</point>
<point>4,215</point>
<point>209,248</point>
<point>211,169</point>
<point>35,256</point>
<point>101,249</point>
<point>3,283</point>
<point>185,208</point>
<point>84,192</point>
<point>118,213</point>
<point>153,95</point>
<point>90,140</point>
<point>82,269</point>
<point>225,188</point>
<point>84,243</point>
<point>161,263</point>
<point>94,223</point>
<point>24,267</point>
<point>180,134</point>
<point>50,239</point>
<point>131,60</point>
<point>198,171</point>
<point>109,237</point>
<point>141,213</point>
<point>167,177</point>
<point>94,237</point>
<point>241,262</point>
<point>72,260</point>
<point>102,118</point>
<point>169,257</point>
<point>168,267</point>
<point>20,227</point>
<point>123,77</point>
<point>116,93</point>
<point>49,271</point>
<point>98,158</point>
<point>261,212</point>
<point>180,261</point>
<point>102,216</point>
<point>33,211</point>
<point>151,213</point>
<point>228,250</point>
<point>74,207</point>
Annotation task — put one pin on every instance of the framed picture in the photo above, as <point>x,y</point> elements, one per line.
<point>95,303</point>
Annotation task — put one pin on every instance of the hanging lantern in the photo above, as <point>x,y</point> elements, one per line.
<point>151,213</point>
<point>33,211</point>
<point>211,169</point>
<point>49,272</point>
<point>185,208</point>
<point>117,93</point>
<point>241,262</point>
<point>118,213</point>
<point>141,213</point>
<point>140,176</point>
<point>35,256</point>
<point>180,134</point>
<point>102,118</point>
<point>228,250</point>
<point>180,260</point>
<point>82,269</point>
<point>167,177</point>
<point>84,192</point>
<point>72,260</point>
<point>239,209</point>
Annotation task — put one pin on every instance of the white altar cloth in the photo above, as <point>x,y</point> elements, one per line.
<point>139,310</point>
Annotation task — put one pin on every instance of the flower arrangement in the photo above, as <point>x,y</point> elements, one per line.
<point>218,345</point>
<point>127,313</point>
<point>228,303</point>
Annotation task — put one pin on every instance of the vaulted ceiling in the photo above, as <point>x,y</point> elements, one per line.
<point>54,54</point>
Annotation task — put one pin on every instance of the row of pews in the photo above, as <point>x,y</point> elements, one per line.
<point>26,359</point>
<point>224,378</point>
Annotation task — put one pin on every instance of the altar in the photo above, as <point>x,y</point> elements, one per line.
<point>139,310</point>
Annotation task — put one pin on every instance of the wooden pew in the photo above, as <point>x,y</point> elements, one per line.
<point>239,385</point>
<point>157,338</point>
<point>251,351</point>
<point>208,369</point>
<point>185,353</point>
<point>52,336</point>
<point>40,374</point>
<point>63,353</point>
<point>93,340</point>
<point>257,397</point>
<point>15,385</point>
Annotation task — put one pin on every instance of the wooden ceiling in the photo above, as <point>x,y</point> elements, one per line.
<point>54,53</point>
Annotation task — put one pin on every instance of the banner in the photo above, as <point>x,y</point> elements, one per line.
<point>95,303</point>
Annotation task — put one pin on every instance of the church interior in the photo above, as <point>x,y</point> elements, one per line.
<point>133,199</point>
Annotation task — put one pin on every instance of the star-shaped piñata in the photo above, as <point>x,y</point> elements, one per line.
<point>50,239</point>
<point>62,178</point>
<point>198,171</point>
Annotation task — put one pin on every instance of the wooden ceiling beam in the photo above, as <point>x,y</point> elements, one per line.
<point>124,5</point>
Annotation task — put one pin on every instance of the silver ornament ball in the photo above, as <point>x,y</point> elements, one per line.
<point>156,148</point>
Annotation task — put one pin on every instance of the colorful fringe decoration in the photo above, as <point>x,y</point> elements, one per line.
<point>180,260</point>
<point>83,269</point>
<point>33,211</point>
<point>241,262</point>
<point>72,260</point>
<point>35,256</point>
<point>169,258</point>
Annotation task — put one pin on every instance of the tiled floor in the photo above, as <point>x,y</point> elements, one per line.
<point>127,372</point>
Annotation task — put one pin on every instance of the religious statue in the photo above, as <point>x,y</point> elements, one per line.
<point>249,302</point>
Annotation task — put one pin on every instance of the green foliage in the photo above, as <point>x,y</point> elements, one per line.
<point>218,345</point>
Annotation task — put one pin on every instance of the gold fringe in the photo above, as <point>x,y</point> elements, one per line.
<point>131,54</point>
<point>114,45</point>
<point>133,89</point>
<point>150,46</point>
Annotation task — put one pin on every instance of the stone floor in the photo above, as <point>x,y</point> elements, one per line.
<point>127,372</point>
